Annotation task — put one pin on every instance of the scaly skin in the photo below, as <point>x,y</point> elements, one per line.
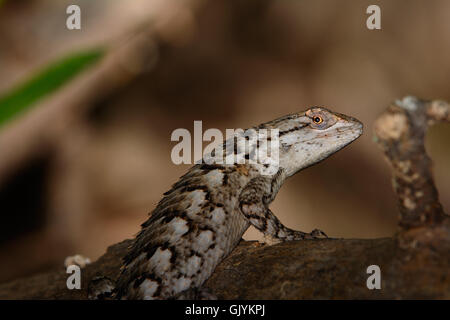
<point>203,217</point>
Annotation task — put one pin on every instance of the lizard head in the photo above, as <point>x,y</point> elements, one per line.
<point>308,137</point>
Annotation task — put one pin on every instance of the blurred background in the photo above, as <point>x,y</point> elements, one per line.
<point>86,115</point>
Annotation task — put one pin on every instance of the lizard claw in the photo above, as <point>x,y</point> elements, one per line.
<point>318,234</point>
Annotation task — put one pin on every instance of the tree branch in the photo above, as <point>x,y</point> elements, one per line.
<point>400,133</point>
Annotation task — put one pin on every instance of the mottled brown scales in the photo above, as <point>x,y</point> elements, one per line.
<point>203,216</point>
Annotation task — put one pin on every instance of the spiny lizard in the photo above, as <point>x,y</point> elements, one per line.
<point>203,217</point>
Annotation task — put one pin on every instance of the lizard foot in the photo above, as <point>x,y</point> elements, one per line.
<point>318,234</point>
<point>269,240</point>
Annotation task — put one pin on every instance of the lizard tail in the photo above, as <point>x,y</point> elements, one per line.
<point>101,288</point>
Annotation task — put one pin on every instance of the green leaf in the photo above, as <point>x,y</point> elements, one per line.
<point>24,96</point>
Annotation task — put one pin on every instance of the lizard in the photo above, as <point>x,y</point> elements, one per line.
<point>202,218</point>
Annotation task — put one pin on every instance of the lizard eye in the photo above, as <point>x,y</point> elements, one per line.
<point>317,119</point>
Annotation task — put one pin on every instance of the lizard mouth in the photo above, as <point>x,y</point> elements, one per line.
<point>355,127</point>
<point>355,131</point>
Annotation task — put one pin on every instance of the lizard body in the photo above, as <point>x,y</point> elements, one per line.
<point>203,217</point>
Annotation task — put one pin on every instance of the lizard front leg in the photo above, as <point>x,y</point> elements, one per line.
<point>253,203</point>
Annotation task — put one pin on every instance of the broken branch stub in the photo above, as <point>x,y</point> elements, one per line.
<point>400,132</point>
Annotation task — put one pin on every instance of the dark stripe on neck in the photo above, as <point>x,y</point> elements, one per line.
<point>292,130</point>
